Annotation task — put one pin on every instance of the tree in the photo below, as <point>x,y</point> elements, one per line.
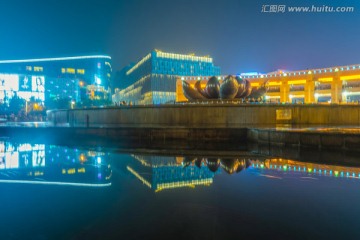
<point>58,103</point>
<point>16,104</point>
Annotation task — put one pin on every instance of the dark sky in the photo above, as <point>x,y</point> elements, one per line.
<point>235,33</point>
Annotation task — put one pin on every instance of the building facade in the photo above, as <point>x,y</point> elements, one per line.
<point>74,79</point>
<point>339,84</point>
<point>152,80</point>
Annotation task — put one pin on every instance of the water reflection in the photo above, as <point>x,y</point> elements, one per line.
<point>273,190</point>
<point>159,173</point>
<point>53,165</point>
<point>289,166</point>
<point>236,165</point>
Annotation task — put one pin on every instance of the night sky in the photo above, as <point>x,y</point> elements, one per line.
<point>235,33</point>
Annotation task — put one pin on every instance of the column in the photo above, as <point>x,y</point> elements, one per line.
<point>284,90</point>
<point>336,89</point>
<point>309,89</point>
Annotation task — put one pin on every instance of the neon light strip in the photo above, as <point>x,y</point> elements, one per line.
<point>138,64</point>
<point>183,57</point>
<point>54,59</point>
<point>171,185</point>
<point>57,183</point>
<point>143,180</point>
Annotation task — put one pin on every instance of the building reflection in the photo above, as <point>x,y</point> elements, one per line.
<point>53,165</point>
<point>281,165</point>
<point>159,173</point>
<point>236,165</point>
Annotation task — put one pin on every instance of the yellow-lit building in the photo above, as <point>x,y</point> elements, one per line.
<point>339,84</point>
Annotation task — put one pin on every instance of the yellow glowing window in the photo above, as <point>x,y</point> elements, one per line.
<point>70,70</point>
<point>38,69</point>
<point>80,71</point>
<point>28,68</point>
<point>63,70</point>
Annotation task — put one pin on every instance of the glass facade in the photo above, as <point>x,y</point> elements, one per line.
<point>69,78</point>
<point>152,80</point>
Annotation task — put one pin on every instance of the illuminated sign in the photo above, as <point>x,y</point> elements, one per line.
<point>283,114</point>
<point>23,86</point>
<point>38,83</point>
<point>9,82</point>
<point>25,83</point>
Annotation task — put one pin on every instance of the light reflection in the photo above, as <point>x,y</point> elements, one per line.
<point>310,168</point>
<point>53,165</point>
<point>160,173</point>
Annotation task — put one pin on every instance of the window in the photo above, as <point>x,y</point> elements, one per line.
<point>38,69</point>
<point>28,68</point>
<point>80,71</point>
<point>63,70</point>
<point>70,70</point>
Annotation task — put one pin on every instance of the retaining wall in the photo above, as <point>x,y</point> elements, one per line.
<point>194,115</point>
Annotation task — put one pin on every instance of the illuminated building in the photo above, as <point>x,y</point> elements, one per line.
<point>160,173</point>
<point>71,78</point>
<point>152,80</point>
<point>326,85</point>
<point>52,165</point>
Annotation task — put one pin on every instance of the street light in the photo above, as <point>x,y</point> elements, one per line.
<point>72,104</point>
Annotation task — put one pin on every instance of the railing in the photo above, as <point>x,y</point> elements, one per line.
<point>323,87</point>
<point>296,88</point>
<point>274,89</point>
<point>350,85</point>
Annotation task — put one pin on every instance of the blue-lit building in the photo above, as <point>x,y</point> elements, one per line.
<point>152,80</point>
<point>163,172</point>
<point>73,79</point>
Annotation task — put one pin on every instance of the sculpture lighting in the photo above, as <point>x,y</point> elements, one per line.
<point>229,88</point>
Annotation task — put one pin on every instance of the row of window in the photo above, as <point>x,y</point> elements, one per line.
<point>63,70</point>
<point>72,71</point>
<point>35,68</point>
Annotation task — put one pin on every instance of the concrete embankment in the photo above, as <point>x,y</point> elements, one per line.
<point>133,137</point>
<point>197,126</point>
<point>316,138</point>
<point>224,115</point>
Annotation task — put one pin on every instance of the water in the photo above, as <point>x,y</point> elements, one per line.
<point>56,192</point>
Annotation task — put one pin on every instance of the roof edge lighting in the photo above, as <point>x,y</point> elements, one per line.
<point>55,59</point>
<point>57,183</point>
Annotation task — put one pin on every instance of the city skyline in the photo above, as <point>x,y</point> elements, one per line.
<point>237,35</point>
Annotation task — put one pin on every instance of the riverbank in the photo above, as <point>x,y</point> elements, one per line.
<point>346,138</point>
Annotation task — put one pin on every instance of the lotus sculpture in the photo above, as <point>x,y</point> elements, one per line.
<point>230,88</point>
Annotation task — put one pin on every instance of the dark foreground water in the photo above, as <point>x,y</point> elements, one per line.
<point>54,192</point>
